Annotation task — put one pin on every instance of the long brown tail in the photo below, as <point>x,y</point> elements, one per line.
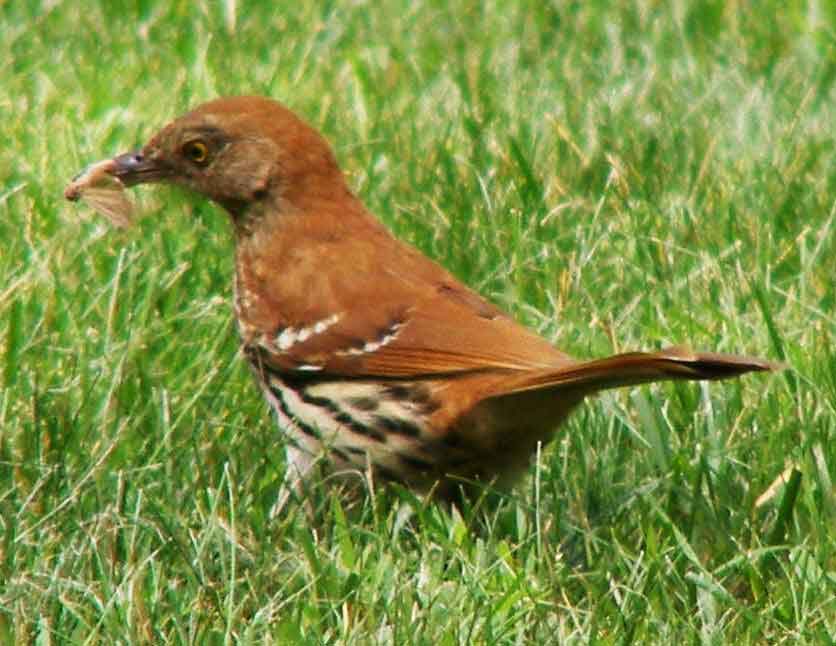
<point>642,367</point>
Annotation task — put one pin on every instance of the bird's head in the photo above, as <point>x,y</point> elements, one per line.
<point>248,154</point>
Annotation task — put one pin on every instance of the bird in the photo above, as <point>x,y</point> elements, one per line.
<point>374,358</point>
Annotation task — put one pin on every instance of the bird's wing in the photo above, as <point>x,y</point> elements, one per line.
<point>416,321</point>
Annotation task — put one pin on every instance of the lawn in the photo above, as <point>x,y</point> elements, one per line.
<point>618,176</point>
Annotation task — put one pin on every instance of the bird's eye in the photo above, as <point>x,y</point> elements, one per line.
<point>196,151</point>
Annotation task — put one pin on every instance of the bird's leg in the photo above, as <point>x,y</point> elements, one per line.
<point>300,463</point>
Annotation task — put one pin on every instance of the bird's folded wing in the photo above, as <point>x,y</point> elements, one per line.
<point>445,328</point>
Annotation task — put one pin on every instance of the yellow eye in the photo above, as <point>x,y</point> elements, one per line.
<point>196,151</point>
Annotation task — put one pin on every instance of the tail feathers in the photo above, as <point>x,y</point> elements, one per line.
<point>634,368</point>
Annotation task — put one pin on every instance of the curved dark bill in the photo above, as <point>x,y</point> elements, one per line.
<point>135,168</point>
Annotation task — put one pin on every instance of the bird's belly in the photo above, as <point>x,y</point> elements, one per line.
<point>393,431</point>
<point>360,424</point>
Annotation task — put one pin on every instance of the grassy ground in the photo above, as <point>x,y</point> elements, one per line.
<point>617,177</point>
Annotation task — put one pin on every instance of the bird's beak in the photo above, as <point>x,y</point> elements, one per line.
<point>138,168</point>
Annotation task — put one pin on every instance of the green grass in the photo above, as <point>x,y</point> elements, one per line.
<point>618,177</point>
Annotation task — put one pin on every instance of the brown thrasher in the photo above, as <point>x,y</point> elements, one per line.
<point>370,353</point>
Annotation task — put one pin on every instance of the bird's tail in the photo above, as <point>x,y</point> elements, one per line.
<point>633,368</point>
